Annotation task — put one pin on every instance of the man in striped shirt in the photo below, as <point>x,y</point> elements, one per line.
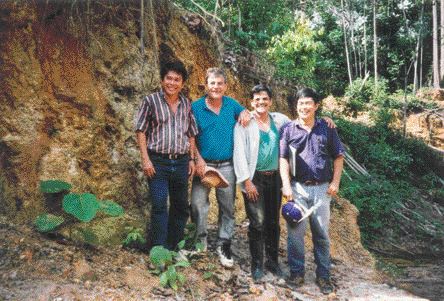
<point>165,129</point>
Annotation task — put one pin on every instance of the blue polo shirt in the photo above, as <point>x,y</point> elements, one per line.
<point>315,150</point>
<point>215,139</point>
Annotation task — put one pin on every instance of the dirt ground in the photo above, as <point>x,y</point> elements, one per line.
<point>33,267</point>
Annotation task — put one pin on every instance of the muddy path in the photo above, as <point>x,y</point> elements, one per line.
<point>33,267</point>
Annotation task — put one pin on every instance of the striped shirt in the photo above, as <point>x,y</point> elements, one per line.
<point>166,132</point>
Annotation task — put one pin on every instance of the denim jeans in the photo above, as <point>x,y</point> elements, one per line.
<point>264,214</point>
<point>225,199</point>
<point>319,222</point>
<point>171,179</point>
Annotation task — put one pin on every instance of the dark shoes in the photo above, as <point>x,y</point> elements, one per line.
<point>325,285</point>
<point>296,280</point>
<point>273,267</point>
<point>257,274</point>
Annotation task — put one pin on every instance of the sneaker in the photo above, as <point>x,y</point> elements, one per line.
<point>295,279</point>
<point>325,285</point>
<point>182,255</point>
<point>224,253</point>
<point>274,268</point>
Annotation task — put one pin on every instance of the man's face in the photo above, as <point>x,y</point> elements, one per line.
<point>261,102</point>
<point>306,108</point>
<point>172,83</point>
<point>216,87</point>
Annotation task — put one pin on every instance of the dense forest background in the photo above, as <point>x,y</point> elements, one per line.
<point>330,44</point>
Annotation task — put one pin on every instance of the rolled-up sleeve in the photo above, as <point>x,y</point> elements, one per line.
<point>336,147</point>
<point>142,118</point>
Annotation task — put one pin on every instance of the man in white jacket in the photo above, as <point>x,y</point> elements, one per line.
<point>256,162</point>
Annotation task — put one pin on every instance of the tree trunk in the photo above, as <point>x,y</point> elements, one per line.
<point>365,40</point>
<point>375,44</point>
<point>442,40</point>
<point>347,56</point>
<point>436,76</point>
<point>418,49</point>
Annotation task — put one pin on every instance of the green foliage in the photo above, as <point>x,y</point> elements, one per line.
<point>83,206</point>
<point>111,208</point>
<point>54,186</point>
<point>393,161</point>
<point>134,237</point>
<point>166,265</point>
<point>48,222</point>
<point>295,52</point>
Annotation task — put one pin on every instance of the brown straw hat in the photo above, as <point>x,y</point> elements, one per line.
<point>213,178</point>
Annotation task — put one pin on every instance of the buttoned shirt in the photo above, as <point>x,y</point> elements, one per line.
<point>215,138</point>
<point>315,150</point>
<point>166,132</point>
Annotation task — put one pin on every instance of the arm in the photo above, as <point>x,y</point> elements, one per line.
<point>244,118</point>
<point>192,163</point>
<point>200,162</point>
<point>240,161</point>
<point>284,170</point>
<point>330,122</point>
<point>338,164</point>
<point>147,165</point>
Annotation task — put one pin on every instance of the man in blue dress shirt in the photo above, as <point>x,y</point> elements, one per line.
<point>317,148</point>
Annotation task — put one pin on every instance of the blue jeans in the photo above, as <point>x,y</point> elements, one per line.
<point>319,222</point>
<point>171,179</point>
<point>225,199</point>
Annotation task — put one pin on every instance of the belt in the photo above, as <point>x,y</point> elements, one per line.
<point>266,172</point>
<point>217,161</point>
<point>168,156</point>
<point>312,183</point>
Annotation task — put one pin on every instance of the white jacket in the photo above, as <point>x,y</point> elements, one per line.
<point>246,147</point>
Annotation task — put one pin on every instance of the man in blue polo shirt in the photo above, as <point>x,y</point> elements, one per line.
<point>317,148</point>
<point>216,116</point>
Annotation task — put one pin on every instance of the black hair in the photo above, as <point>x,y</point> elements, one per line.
<point>176,66</point>
<point>259,88</point>
<point>292,100</point>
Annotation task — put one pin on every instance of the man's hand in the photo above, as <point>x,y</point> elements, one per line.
<point>148,168</point>
<point>200,167</point>
<point>330,122</point>
<point>287,192</point>
<point>244,118</point>
<point>191,168</point>
<point>333,188</point>
<point>251,191</point>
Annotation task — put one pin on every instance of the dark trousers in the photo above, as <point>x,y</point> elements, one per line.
<point>264,229</point>
<point>171,179</point>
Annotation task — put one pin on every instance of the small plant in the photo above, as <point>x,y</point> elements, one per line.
<point>166,263</point>
<point>83,206</point>
<point>134,237</point>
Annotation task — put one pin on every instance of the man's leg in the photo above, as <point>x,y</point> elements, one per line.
<point>296,233</point>
<point>319,223</point>
<point>225,199</point>
<point>255,214</point>
<point>179,208</point>
<point>273,200</point>
<point>158,186</point>
<point>199,209</point>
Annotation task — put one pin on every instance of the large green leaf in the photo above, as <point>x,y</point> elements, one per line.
<point>54,186</point>
<point>111,208</point>
<point>48,222</point>
<point>83,206</point>
<point>160,256</point>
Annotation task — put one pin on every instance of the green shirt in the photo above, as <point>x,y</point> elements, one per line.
<point>268,157</point>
